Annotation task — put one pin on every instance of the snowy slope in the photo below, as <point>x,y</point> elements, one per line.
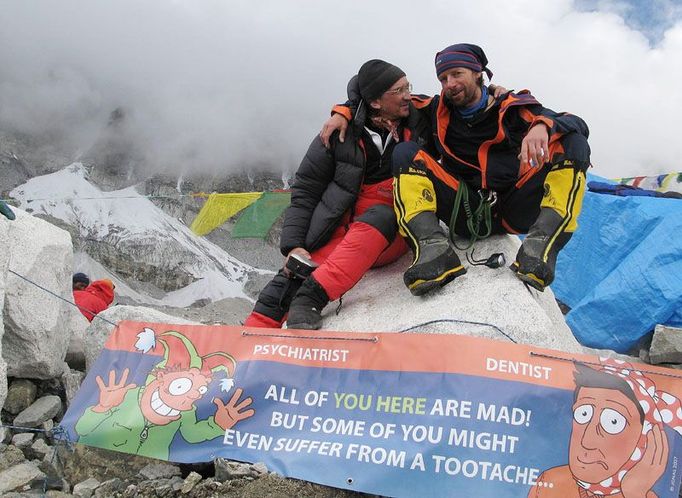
<point>136,228</point>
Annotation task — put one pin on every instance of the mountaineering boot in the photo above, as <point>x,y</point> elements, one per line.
<point>305,311</point>
<point>536,259</point>
<point>559,209</point>
<point>435,263</point>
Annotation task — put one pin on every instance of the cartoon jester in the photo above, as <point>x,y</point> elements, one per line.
<point>144,420</point>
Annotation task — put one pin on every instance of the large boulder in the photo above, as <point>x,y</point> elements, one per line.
<point>37,322</point>
<point>484,302</point>
<point>103,325</point>
<point>4,257</point>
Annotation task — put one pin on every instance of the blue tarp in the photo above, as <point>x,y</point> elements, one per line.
<point>621,273</point>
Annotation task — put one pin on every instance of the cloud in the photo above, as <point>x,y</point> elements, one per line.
<point>217,85</point>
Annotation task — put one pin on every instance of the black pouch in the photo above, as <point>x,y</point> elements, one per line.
<point>300,266</point>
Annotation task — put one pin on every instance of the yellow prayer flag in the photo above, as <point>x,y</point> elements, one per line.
<point>221,207</point>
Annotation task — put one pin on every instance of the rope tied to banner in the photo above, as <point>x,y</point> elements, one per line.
<point>316,337</point>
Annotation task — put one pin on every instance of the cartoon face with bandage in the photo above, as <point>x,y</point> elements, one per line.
<point>618,436</point>
<point>618,443</point>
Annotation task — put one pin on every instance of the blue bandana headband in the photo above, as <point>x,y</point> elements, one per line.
<point>462,55</point>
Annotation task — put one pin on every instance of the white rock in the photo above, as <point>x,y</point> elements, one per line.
<point>380,302</point>
<point>36,325</point>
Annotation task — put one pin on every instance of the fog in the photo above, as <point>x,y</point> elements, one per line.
<point>217,85</point>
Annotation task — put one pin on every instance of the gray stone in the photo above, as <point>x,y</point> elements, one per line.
<point>226,470</point>
<point>75,353</point>
<point>110,488</point>
<point>40,411</point>
<point>11,456</point>
<point>47,426</point>
<point>38,450</point>
<point>666,345</point>
<point>160,471</point>
<point>190,481</point>
<point>380,302</point>
<point>260,468</point>
<point>23,440</point>
<point>72,380</point>
<point>18,476</point>
<point>86,488</point>
<point>20,394</point>
<point>35,343</point>
<point>99,330</point>
<point>54,493</point>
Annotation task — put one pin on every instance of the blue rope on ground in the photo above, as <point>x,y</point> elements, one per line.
<point>454,320</point>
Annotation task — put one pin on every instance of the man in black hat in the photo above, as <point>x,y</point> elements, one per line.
<point>80,281</point>
<point>341,221</point>
<point>504,164</point>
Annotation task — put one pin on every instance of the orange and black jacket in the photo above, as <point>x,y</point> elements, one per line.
<point>328,181</point>
<point>483,151</point>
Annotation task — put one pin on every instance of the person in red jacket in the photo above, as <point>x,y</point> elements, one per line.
<point>96,297</point>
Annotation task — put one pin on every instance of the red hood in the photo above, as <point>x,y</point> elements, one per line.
<point>102,288</point>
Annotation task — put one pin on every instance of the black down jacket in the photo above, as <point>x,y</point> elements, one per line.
<point>328,182</point>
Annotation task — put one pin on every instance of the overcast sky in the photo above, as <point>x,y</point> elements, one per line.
<point>219,84</point>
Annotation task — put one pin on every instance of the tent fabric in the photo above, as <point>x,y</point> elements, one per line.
<point>257,220</point>
<point>620,273</point>
<point>221,207</point>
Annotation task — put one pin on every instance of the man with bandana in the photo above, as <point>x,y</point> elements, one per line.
<point>503,165</point>
<point>618,447</point>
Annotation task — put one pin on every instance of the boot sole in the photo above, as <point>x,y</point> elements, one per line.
<point>532,280</point>
<point>421,287</point>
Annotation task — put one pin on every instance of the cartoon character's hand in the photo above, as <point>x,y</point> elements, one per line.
<point>228,414</point>
<point>639,480</point>
<point>112,395</point>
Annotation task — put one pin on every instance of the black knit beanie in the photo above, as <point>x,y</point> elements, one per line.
<point>375,77</point>
<point>81,277</point>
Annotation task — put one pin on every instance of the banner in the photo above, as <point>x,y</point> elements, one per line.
<point>394,414</point>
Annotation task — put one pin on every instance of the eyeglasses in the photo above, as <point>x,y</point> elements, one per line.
<point>407,89</point>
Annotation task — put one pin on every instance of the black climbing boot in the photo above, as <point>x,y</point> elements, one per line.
<point>536,260</point>
<point>305,311</point>
<point>435,262</point>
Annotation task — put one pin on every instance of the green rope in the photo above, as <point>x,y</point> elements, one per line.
<point>483,213</point>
